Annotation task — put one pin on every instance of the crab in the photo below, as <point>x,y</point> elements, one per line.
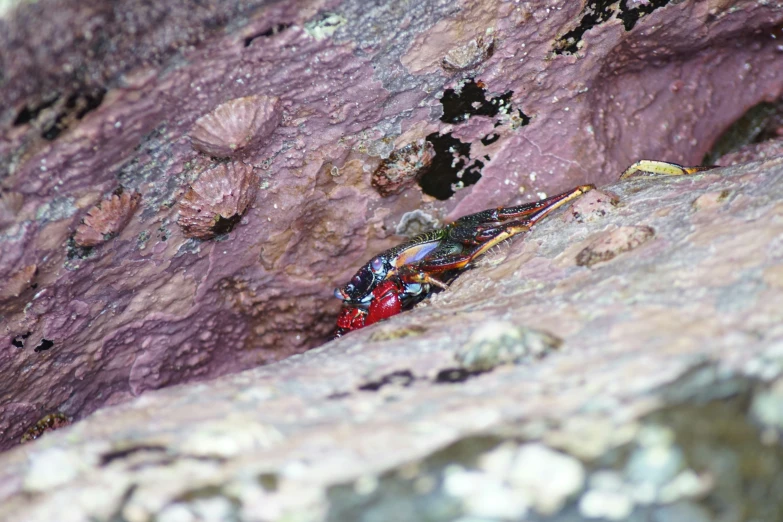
<point>398,278</point>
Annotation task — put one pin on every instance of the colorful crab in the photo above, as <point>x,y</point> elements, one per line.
<point>400,277</point>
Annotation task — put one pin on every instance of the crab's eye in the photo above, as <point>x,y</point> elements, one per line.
<point>360,283</point>
<point>376,264</point>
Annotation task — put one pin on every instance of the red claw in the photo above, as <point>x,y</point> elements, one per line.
<point>385,303</point>
<point>351,318</point>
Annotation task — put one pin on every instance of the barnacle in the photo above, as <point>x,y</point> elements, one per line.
<point>10,204</point>
<point>236,126</point>
<point>470,54</point>
<point>50,422</point>
<point>403,167</point>
<point>107,219</point>
<point>217,200</point>
<point>18,282</point>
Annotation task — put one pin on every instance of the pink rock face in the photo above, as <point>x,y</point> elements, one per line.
<point>237,126</point>
<point>156,307</point>
<point>10,204</point>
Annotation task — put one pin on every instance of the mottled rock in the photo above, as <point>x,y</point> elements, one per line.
<point>499,342</point>
<point>52,468</point>
<point>655,387</point>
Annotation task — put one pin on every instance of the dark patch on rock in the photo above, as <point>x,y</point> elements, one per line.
<point>18,341</point>
<point>44,345</point>
<point>471,100</point>
<point>490,138</point>
<point>76,107</point>
<point>29,113</point>
<point>597,12</point>
<point>760,123</point>
<point>272,31</point>
<point>111,456</point>
<point>593,13</point>
<point>74,251</point>
<point>402,378</point>
<point>225,225</point>
<point>456,375</point>
<point>631,16</point>
<point>445,172</point>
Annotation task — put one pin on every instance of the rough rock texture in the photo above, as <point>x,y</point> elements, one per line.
<point>105,94</point>
<point>654,405</point>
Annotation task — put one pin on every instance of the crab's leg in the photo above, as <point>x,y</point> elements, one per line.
<point>662,167</point>
<point>533,212</point>
<point>458,250</point>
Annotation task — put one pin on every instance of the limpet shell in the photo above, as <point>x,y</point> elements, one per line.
<point>217,200</point>
<point>107,219</point>
<point>236,126</point>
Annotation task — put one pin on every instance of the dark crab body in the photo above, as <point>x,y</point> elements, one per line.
<point>400,277</point>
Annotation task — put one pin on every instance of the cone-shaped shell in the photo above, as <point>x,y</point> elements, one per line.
<point>107,219</point>
<point>217,200</point>
<point>237,126</point>
<point>402,168</point>
<point>469,55</point>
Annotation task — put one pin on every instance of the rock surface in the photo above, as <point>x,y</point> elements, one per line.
<point>562,99</point>
<point>643,409</point>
